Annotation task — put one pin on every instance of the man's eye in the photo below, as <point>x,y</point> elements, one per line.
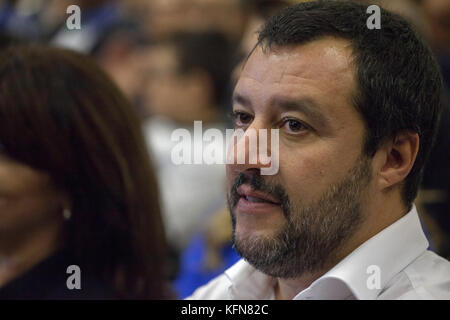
<point>294,126</point>
<point>241,118</point>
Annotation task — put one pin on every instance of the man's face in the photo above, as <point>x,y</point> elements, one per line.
<point>292,222</point>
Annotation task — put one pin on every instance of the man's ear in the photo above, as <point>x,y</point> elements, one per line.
<point>396,158</point>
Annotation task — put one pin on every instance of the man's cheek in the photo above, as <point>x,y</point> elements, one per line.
<point>232,172</point>
<point>229,171</point>
<point>304,179</point>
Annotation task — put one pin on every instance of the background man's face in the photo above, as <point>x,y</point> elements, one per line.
<point>169,92</point>
<point>305,91</point>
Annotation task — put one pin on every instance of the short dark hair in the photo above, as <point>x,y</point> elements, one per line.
<point>209,51</point>
<point>399,82</point>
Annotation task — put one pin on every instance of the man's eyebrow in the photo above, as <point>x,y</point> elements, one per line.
<point>304,105</point>
<point>242,100</point>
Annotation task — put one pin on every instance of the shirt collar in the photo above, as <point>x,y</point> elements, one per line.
<point>389,251</point>
<point>247,283</point>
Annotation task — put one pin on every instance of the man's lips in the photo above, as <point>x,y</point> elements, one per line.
<point>255,197</point>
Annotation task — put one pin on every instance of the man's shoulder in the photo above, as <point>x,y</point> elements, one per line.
<point>427,277</point>
<point>218,288</point>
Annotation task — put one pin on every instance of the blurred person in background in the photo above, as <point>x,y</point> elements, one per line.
<point>76,184</point>
<point>167,17</point>
<point>20,18</point>
<point>185,79</point>
<point>108,31</point>
<point>100,21</point>
<point>209,253</point>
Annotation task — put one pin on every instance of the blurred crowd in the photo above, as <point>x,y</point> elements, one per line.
<point>177,62</point>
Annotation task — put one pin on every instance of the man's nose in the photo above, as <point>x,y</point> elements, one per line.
<point>250,149</point>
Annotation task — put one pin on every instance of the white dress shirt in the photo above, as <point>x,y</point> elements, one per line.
<point>393,264</point>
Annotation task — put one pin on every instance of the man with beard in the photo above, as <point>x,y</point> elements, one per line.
<point>357,112</point>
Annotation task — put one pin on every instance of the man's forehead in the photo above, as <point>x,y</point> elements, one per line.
<point>328,57</point>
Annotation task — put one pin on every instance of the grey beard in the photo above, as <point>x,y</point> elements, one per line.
<point>312,233</point>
